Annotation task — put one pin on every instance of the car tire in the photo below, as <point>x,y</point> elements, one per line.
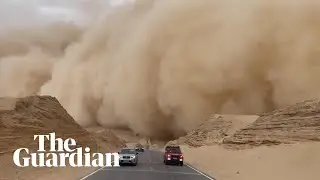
<point>181,163</point>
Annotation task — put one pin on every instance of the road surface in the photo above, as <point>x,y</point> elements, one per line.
<point>150,167</point>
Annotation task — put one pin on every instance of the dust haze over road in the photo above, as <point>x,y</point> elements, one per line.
<point>157,65</point>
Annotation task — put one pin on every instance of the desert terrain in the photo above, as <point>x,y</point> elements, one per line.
<point>281,144</point>
<point>236,84</point>
<point>21,119</point>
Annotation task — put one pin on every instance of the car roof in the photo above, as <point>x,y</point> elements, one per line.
<point>177,147</point>
<point>128,148</point>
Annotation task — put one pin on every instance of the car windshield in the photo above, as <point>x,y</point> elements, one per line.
<point>128,151</point>
<point>174,150</point>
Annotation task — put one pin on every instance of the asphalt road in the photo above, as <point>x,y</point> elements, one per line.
<point>150,167</point>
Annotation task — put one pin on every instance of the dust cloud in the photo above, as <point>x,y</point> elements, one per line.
<point>160,67</point>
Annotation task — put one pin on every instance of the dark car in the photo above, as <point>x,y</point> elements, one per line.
<point>139,147</point>
<point>173,155</point>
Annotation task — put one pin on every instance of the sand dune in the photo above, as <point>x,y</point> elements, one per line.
<point>281,144</point>
<point>21,119</point>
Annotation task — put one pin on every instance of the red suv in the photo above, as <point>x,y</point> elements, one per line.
<point>173,155</point>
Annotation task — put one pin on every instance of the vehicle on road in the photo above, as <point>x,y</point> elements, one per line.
<point>139,147</point>
<point>173,155</point>
<point>128,156</point>
<point>147,146</point>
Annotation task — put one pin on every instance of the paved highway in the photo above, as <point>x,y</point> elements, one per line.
<point>150,167</point>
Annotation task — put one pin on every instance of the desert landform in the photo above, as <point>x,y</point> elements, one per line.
<point>235,83</point>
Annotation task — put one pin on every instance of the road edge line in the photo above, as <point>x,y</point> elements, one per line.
<point>97,170</point>
<point>198,171</point>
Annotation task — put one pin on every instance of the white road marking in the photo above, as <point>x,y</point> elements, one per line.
<point>201,173</point>
<point>85,177</point>
<point>150,160</point>
<point>151,171</point>
<point>150,157</point>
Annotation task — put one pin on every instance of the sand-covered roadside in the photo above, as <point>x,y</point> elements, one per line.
<point>283,162</point>
<point>280,145</point>
<point>9,172</point>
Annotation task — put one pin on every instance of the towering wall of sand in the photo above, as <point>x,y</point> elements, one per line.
<point>156,67</point>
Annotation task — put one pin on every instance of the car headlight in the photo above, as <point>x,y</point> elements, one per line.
<point>133,157</point>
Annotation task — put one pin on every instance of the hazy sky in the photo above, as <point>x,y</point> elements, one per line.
<point>15,13</point>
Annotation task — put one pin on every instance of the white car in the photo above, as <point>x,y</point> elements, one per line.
<point>128,156</point>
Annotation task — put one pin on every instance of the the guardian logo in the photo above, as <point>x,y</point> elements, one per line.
<point>64,153</point>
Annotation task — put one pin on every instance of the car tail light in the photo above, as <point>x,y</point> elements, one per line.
<point>168,157</point>
<point>181,156</point>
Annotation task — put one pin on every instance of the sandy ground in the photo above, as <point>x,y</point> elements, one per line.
<point>278,145</point>
<point>8,171</point>
<point>21,119</point>
<point>67,173</point>
<point>283,162</point>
